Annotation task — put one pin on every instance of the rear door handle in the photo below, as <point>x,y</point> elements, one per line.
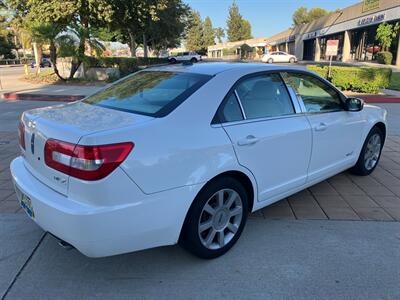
<point>249,140</point>
<point>321,127</point>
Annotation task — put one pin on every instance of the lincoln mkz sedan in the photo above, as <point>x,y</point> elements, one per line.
<point>182,153</point>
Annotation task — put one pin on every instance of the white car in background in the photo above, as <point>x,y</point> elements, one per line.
<point>193,57</point>
<point>183,153</point>
<point>279,57</point>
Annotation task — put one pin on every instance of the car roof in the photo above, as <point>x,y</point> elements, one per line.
<point>214,68</point>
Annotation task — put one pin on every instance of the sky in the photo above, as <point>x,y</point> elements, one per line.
<point>267,17</point>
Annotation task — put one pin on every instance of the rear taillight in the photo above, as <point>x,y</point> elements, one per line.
<point>21,134</point>
<point>85,162</point>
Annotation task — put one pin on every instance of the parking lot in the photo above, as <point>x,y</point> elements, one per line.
<point>300,247</point>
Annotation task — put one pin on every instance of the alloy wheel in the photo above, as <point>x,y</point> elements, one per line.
<point>372,151</point>
<point>220,219</point>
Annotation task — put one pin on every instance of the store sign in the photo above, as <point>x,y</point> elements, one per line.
<point>371,19</point>
<point>370,5</point>
<point>332,47</point>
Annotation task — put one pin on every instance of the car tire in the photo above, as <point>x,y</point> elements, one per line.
<point>270,61</point>
<point>292,60</point>
<point>193,60</point>
<point>370,153</point>
<point>215,219</point>
<point>172,61</point>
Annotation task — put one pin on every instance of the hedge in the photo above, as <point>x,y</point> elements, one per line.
<point>126,65</point>
<point>356,79</point>
<point>384,57</point>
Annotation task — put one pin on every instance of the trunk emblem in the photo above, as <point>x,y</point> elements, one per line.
<point>33,143</point>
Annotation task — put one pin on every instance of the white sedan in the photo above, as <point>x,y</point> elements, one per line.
<point>279,57</point>
<point>184,153</point>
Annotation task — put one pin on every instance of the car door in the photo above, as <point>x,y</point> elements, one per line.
<point>336,132</point>
<point>268,136</point>
<point>280,57</point>
<point>275,56</point>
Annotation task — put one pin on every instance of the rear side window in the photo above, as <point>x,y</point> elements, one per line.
<point>231,111</point>
<point>264,96</point>
<point>153,93</point>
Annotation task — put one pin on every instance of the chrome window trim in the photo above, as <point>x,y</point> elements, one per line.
<point>246,121</point>
<point>297,103</point>
<point>240,104</point>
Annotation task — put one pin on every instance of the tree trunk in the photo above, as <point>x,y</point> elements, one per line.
<point>38,56</point>
<point>132,45</point>
<point>145,54</point>
<point>53,59</point>
<point>84,34</point>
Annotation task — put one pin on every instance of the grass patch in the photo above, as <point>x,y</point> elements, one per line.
<point>47,76</point>
<point>395,81</point>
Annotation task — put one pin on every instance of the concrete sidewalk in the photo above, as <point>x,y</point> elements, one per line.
<point>272,260</point>
<point>15,88</point>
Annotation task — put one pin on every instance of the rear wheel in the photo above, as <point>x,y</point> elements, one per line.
<point>370,153</point>
<point>216,219</point>
<point>172,60</point>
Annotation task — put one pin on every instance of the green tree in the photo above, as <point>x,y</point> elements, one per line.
<point>246,30</point>
<point>208,33</point>
<point>168,30</point>
<point>6,39</point>
<point>237,27</point>
<point>386,33</point>
<point>303,16</point>
<point>194,35</point>
<point>219,34</point>
<point>45,20</point>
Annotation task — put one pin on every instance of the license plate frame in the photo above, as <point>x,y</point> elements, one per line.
<point>26,203</point>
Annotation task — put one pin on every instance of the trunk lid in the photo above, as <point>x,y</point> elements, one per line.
<point>68,123</point>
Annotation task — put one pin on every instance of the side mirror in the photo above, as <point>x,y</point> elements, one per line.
<point>354,104</point>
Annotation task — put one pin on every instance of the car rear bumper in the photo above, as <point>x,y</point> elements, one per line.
<point>97,231</point>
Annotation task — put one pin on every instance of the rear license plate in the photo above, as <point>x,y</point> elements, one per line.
<point>26,203</point>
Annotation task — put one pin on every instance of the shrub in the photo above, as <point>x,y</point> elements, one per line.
<point>126,65</point>
<point>356,79</point>
<point>384,57</point>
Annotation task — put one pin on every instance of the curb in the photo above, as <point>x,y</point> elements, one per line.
<point>380,99</point>
<point>41,97</point>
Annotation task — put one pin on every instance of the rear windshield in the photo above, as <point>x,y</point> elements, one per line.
<point>152,93</point>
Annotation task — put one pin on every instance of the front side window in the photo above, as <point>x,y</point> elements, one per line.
<point>316,95</point>
<point>264,96</point>
<point>153,93</point>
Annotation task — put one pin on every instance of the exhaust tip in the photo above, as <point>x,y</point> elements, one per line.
<point>65,245</point>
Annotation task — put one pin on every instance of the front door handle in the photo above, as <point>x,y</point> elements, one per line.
<point>249,140</point>
<point>321,127</point>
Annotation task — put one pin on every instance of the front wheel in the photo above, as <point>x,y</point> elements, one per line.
<point>216,219</point>
<point>370,153</point>
<point>292,60</point>
<point>193,60</point>
<point>270,61</point>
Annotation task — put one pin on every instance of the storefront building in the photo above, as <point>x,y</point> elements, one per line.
<point>355,27</point>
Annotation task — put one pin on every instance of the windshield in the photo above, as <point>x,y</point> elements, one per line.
<point>152,93</point>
